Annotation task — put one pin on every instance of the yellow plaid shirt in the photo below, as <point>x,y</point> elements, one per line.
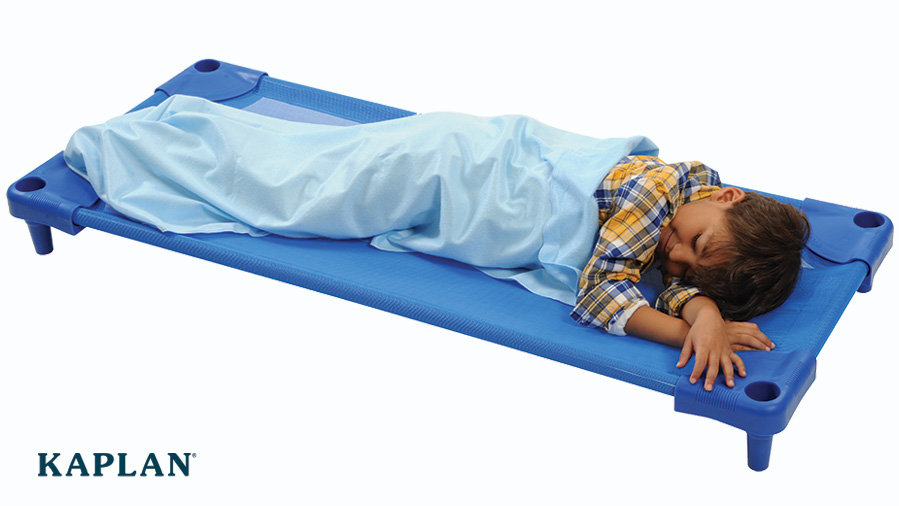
<point>636,200</point>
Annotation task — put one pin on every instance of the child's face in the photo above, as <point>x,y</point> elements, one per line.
<point>686,241</point>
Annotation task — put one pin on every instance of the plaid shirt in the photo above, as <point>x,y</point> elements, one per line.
<point>636,200</point>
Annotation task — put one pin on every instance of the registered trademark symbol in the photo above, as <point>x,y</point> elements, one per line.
<point>194,455</point>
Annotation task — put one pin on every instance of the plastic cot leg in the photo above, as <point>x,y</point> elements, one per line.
<point>41,237</point>
<point>759,451</point>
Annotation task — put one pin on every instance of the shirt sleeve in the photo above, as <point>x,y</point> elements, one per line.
<point>698,181</point>
<point>624,247</point>
<point>671,301</point>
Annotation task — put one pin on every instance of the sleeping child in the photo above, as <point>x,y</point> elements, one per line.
<point>566,216</point>
<point>726,255</point>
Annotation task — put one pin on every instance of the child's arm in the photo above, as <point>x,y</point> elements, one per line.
<point>652,325</point>
<point>708,339</point>
<point>648,323</point>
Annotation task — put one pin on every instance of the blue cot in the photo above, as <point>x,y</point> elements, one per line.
<point>844,252</point>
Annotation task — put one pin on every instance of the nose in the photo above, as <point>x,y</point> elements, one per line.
<point>680,254</point>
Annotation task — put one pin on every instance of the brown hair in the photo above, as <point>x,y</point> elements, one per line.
<point>763,259</point>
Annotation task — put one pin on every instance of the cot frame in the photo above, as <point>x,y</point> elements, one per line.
<point>52,196</point>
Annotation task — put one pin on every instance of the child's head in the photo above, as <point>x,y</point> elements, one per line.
<point>742,249</point>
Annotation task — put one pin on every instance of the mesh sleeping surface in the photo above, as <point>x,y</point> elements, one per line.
<point>460,298</point>
<point>454,296</point>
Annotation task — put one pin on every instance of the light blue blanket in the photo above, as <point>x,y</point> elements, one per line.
<point>508,195</point>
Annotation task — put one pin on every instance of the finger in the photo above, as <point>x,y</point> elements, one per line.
<point>753,331</point>
<point>764,343</point>
<point>749,342</point>
<point>748,334</point>
<point>759,339</point>
<point>685,353</point>
<point>765,339</point>
<point>727,367</point>
<point>698,367</point>
<point>757,343</point>
<point>741,368</point>
<point>712,373</point>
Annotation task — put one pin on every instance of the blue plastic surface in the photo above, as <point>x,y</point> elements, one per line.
<point>761,404</point>
<point>847,247</point>
<point>844,234</point>
<point>48,197</point>
<point>214,80</point>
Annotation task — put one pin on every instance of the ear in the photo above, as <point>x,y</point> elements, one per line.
<point>728,194</point>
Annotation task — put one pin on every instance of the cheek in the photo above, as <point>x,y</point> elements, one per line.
<point>671,267</point>
<point>674,269</point>
<point>688,214</point>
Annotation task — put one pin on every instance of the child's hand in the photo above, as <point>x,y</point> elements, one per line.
<point>746,336</point>
<point>709,339</point>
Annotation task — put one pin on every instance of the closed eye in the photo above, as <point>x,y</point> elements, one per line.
<point>695,239</point>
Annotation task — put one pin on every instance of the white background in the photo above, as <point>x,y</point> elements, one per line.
<point>292,397</point>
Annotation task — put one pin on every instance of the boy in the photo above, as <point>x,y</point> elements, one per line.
<point>725,255</point>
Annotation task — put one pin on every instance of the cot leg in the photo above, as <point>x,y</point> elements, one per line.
<point>759,450</point>
<point>40,237</point>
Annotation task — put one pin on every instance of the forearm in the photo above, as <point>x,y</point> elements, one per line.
<point>700,306</point>
<point>652,325</point>
<point>702,330</point>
